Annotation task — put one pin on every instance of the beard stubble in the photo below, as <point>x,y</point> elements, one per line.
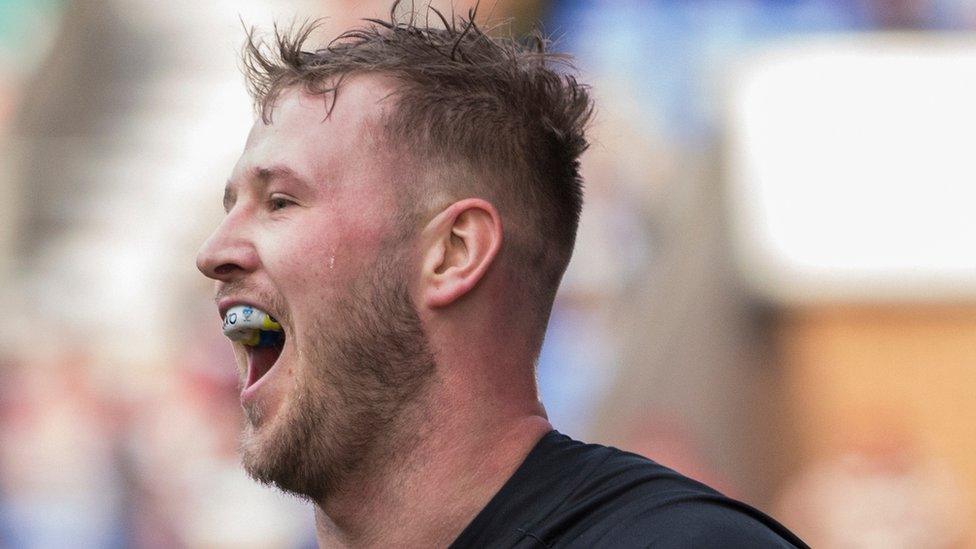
<point>367,360</point>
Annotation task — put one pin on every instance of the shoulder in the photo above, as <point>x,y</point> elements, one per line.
<point>626,500</point>
<point>688,521</point>
<point>572,494</point>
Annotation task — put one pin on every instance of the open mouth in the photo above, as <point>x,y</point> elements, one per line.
<point>261,335</point>
<point>261,358</point>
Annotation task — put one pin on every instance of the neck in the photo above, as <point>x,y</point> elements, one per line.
<point>440,479</point>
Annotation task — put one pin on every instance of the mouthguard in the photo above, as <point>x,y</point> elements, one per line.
<point>252,327</point>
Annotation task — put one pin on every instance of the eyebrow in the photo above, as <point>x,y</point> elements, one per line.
<point>268,174</point>
<point>263,175</point>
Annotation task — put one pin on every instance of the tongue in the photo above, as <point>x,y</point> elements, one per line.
<point>260,360</point>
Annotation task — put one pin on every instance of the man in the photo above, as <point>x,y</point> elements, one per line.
<point>404,209</point>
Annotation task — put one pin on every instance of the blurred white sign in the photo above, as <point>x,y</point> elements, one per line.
<point>851,170</point>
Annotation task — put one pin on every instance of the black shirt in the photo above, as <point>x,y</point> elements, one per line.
<point>570,494</point>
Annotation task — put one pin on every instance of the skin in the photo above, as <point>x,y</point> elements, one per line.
<point>310,251</point>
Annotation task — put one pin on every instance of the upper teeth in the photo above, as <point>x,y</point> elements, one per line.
<point>241,322</point>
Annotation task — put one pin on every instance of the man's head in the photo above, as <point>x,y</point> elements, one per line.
<point>472,115</point>
<point>371,197</point>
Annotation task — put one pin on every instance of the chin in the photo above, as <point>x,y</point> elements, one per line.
<point>268,463</point>
<point>257,441</point>
<point>257,454</point>
<point>277,450</point>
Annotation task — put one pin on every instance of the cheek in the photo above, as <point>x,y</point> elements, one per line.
<point>340,251</point>
<point>326,253</point>
<point>308,282</point>
<point>312,267</point>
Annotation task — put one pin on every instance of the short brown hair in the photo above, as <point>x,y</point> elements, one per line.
<point>492,115</point>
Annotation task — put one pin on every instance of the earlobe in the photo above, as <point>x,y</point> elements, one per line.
<point>460,245</point>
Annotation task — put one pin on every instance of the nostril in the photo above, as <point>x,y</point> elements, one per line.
<point>226,268</point>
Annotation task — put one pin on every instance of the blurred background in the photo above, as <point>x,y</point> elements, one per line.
<point>773,291</point>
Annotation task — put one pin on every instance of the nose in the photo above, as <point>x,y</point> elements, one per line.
<point>228,254</point>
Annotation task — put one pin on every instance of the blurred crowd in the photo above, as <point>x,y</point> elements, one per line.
<point>119,414</point>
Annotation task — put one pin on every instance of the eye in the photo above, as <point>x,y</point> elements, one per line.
<point>278,202</point>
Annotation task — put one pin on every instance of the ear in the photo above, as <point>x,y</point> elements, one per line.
<point>459,245</point>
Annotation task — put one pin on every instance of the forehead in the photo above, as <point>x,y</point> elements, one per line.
<point>322,136</point>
